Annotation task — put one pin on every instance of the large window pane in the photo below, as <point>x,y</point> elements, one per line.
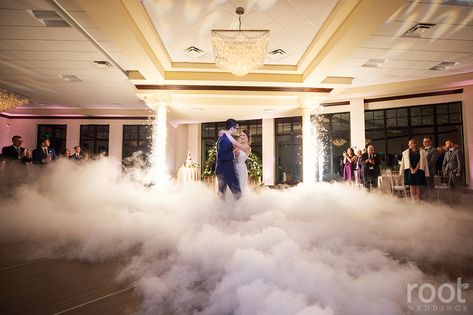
<point>56,134</point>
<point>94,138</point>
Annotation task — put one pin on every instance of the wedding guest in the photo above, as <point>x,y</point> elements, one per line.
<point>85,155</point>
<point>453,167</point>
<point>77,153</point>
<point>371,167</point>
<point>44,154</point>
<point>15,153</point>
<point>348,165</point>
<point>67,154</point>
<point>358,168</point>
<point>441,154</point>
<point>415,168</point>
<point>432,157</point>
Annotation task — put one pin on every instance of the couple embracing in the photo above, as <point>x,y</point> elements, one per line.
<point>231,169</point>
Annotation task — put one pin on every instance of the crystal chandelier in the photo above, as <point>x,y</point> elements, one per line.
<point>10,100</point>
<point>240,51</point>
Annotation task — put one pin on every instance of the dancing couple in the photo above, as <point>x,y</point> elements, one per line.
<point>230,168</point>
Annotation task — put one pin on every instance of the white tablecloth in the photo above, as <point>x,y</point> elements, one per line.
<point>186,175</point>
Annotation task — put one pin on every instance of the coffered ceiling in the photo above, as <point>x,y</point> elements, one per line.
<point>350,47</point>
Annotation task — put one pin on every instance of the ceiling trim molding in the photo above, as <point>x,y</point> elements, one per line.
<point>341,103</point>
<point>143,87</point>
<point>416,95</point>
<point>84,117</point>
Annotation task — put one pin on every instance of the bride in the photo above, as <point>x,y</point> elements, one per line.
<point>241,152</point>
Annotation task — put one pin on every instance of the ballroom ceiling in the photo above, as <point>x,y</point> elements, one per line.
<point>351,47</point>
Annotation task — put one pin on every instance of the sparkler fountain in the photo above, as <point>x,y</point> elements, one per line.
<point>158,173</point>
<point>313,145</point>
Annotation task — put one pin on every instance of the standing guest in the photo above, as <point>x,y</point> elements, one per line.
<point>348,165</point>
<point>359,168</point>
<point>67,154</point>
<point>85,156</point>
<point>15,153</point>
<point>370,161</point>
<point>432,157</point>
<point>438,166</point>
<point>77,156</point>
<point>415,168</point>
<point>452,168</point>
<point>44,154</point>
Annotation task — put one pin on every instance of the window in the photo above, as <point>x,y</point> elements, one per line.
<point>94,138</point>
<point>390,129</point>
<point>57,136</point>
<point>136,138</point>
<point>288,149</point>
<point>210,134</point>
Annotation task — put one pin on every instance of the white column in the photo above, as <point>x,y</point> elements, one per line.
<point>467,110</point>
<point>194,142</point>
<point>357,123</point>
<point>269,151</point>
<point>115,141</point>
<point>73,134</point>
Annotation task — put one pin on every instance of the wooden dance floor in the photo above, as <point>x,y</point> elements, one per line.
<point>59,286</point>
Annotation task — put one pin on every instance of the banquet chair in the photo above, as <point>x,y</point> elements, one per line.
<point>441,184</point>
<point>397,186</point>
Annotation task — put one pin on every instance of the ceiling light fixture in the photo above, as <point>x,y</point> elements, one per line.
<point>10,100</point>
<point>240,51</point>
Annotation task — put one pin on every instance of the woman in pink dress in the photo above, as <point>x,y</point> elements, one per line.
<point>348,165</point>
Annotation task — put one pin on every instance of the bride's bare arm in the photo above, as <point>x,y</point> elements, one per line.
<point>235,143</point>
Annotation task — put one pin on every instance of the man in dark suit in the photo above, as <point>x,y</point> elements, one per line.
<point>77,154</point>
<point>225,169</point>
<point>432,156</point>
<point>44,154</point>
<point>452,168</point>
<point>370,161</point>
<point>16,153</point>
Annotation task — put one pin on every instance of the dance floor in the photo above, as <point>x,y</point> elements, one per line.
<point>60,286</point>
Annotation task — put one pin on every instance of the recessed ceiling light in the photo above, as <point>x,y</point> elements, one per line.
<point>196,109</point>
<point>70,78</point>
<point>374,63</point>
<point>268,110</point>
<point>419,29</point>
<point>445,65</point>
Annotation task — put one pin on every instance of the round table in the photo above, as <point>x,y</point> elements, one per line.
<point>186,175</point>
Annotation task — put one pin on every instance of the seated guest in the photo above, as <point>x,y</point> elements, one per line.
<point>77,153</point>
<point>415,168</point>
<point>371,167</point>
<point>44,154</point>
<point>15,153</point>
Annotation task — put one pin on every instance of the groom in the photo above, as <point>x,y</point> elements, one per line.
<point>225,168</point>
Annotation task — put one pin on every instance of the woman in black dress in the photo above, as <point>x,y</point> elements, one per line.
<point>414,166</point>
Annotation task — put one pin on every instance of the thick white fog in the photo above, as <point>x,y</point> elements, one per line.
<point>310,250</point>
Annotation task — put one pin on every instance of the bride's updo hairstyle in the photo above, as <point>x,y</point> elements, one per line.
<point>247,133</point>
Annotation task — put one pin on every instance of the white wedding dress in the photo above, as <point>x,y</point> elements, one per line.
<point>241,170</point>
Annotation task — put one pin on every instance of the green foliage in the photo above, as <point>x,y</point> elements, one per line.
<point>209,169</point>
<point>254,164</point>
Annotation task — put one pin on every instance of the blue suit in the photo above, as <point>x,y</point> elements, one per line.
<point>225,169</point>
<point>39,157</point>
